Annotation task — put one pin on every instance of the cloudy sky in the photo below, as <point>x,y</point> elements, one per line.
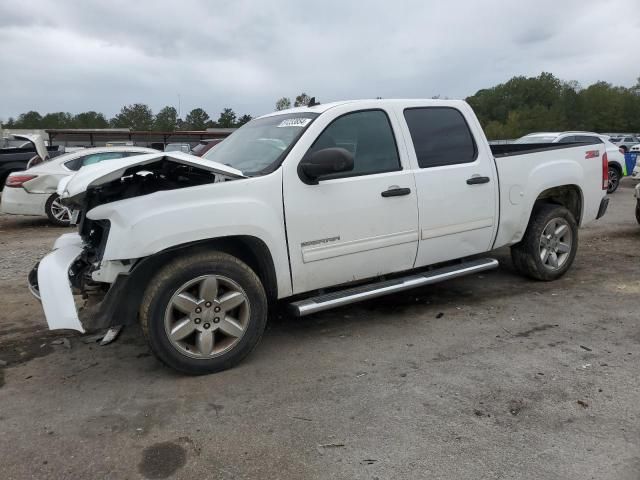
<point>74,56</point>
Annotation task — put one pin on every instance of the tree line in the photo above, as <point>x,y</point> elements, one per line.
<point>545,103</point>
<point>136,117</point>
<point>140,117</point>
<point>508,110</point>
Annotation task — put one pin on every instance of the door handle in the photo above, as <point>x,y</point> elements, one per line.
<point>396,192</point>
<point>477,180</point>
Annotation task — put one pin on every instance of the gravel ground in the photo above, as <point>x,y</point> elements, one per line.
<point>490,376</point>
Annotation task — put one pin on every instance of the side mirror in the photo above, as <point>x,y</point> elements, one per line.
<point>324,162</point>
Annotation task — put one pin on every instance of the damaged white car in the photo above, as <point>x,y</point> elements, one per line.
<point>322,206</point>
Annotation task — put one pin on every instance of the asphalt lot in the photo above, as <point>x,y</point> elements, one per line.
<point>490,376</point>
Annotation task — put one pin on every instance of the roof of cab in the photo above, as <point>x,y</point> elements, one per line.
<point>323,107</point>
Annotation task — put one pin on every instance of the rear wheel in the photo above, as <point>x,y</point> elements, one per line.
<point>638,211</point>
<point>204,313</point>
<point>57,213</point>
<point>614,179</point>
<point>549,245</point>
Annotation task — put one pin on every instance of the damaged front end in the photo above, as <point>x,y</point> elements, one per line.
<point>78,289</point>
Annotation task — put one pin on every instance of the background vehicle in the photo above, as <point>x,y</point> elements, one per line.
<point>33,191</point>
<point>32,149</point>
<point>204,146</point>
<point>636,194</point>
<point>617,165</point>
<point>178,147</point>
<point>625,142</point>
<point>197,248</point>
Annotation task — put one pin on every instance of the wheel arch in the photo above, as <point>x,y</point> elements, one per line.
<point>615,164</point>
<point>251,250</point>
<point>569,196</point>
<point>123,308</point>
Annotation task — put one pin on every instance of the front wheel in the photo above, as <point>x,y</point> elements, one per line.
<point>549,245</point>
<point>57,213</point>
<point>204,313</point>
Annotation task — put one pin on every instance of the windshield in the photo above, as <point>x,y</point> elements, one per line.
<point>177,147</point>
<point>536,139</point>
<point>259,146</point>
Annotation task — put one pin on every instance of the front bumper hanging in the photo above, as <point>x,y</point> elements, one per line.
<point>49,282</point>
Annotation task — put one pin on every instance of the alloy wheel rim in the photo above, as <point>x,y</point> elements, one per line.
<point>59,211</point>
<point>613,179</point>
<point>556,242</point>
<point>207,316</point>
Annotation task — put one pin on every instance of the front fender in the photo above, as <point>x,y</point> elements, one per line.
<point>143,226</point>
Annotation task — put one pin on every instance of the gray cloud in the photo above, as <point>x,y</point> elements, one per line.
<point>75,56</point>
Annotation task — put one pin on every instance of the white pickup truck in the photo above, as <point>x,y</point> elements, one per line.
<point>317,206</point>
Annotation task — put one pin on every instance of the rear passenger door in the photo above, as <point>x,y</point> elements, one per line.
<point>456,184</point>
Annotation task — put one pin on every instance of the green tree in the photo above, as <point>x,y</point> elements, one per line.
<point>227,118</point>
<point>283,103</point>
<point>57,120</point>
<point>196,119</point>
<point>9,123</point>
<point>166,119</point>
<point>31,119</point>
<point>137,117</point>
<point>90,119</point>
<point>302,100</point>
<point>243,119</point>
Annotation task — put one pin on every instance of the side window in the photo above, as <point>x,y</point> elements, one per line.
<point>100,157</point>
<point>569,139</point>
<point>368,136</point>
<point>587,138</point>
<point>74,164</point>
<point>440,136</point>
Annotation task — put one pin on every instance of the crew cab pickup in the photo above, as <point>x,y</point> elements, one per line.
<point>315,206</point>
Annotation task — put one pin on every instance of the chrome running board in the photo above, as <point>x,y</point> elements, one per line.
<point>378,289</point>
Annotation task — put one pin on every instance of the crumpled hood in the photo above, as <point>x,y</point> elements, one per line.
<point>110,170</point>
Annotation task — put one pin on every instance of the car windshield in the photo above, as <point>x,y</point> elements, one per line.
<point>258,147</point>
<point>536,139</point>
<point>177,147</point>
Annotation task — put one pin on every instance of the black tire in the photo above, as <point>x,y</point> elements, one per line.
<point>614,179</point>
<point>170,279</point>
<point>526,254</point>
<point>638,211</point>
<point>49,208</point>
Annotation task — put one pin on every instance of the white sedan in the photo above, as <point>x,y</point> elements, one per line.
<point>615,155</point>
<point>33,191</point>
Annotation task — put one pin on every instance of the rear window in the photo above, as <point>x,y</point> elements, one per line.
<point>440,136</point>
<point>587,138</point>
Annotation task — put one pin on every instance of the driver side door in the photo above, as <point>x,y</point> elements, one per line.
<point>357,224</point>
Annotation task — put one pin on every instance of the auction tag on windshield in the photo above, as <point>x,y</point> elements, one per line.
<point>294,122</point>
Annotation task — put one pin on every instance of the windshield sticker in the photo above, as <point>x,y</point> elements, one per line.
<point>294,122</point>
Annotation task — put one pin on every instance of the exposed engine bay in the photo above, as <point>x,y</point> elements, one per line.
<point>143,179</point>
<point>137,180</point>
